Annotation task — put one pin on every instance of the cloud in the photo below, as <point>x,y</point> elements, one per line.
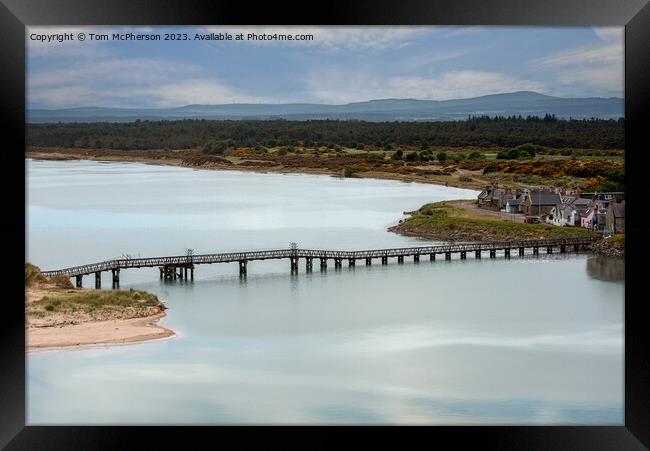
<point>343,87</point>
<point>599,65</point>
<point>197,91</point>
<point>144,82</point>
<point>338,37</point>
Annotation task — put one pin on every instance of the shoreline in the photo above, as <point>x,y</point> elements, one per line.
<point>59,316</point>
<point>96,333</point>
<point>168,160</point>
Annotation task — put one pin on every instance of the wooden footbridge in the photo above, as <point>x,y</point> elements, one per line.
<point>177,267</point>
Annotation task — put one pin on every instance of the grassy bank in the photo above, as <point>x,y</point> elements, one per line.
<point>446,221</point>
<point>455,169</point>
<point>56,303</point>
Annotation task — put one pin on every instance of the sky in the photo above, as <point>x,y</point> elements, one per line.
<point>339,65</point>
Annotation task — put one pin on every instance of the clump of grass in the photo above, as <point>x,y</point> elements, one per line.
<point>62,281</point>
<point>94,300</point>
<point>33,275</point>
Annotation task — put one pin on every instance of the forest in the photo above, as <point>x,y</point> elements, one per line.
<point>214,135</point>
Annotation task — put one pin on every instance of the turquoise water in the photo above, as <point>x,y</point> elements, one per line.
<point>530,340</point>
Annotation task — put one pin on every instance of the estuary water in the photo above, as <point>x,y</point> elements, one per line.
<point>530,340</point>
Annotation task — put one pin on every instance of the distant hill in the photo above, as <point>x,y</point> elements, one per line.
<point>524,103</point>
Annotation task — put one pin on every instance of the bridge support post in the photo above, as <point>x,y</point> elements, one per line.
<point>447,255</point>
<point>400,259</point>
<point>463,255</point>
<point>432,257</point>
<point>521,251</point>
<point>98,280</point>
<point>242,267</point>
<point>562,248</point>
<point>180,272</point>
<point>477,254</point>
<point>507,252</point>
<point>161,272</point>
<point>549,249</point>
<point>576,247</point>
<point>535,250</point>
<point>116,277</point>
<point>368,261</point>
<point>384,260</point>
<point>337,263</point>
<point>192,273</point>
<point>309,265</point>
<point>78,280</point>
<point>416,258</point>
<point>185,271</point>
<point>493,253</point>
<point>294,264</point>
<point>351,262</point>
<point>323,263</point>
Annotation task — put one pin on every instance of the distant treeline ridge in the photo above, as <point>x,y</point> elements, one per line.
<point>479,131</point>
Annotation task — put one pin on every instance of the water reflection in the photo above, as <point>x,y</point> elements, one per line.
<point>609,269</point>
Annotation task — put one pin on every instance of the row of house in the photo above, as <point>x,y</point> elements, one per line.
<point>598,211</point>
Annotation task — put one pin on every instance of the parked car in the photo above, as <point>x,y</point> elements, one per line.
<point>531,220</point>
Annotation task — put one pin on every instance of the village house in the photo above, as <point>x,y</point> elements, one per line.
<point>514,204</point>
<point>569,212</point>
<point>493,197</point>
<point>596,215</point>
<point>615,218</point>
<point>540,202</point>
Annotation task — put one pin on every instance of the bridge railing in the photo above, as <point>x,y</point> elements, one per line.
<point>181,260</point>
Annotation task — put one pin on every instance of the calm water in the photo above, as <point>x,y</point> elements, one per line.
<point>532,340</point>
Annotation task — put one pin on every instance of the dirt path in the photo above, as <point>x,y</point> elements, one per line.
<point>471,206</point>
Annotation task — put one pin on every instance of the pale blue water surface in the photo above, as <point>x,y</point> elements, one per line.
<point>532,340</point>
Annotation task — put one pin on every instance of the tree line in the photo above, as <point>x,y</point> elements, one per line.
<point>480,131</point>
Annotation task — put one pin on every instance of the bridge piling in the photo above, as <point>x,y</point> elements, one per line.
<point>384,260</point>
<point>351,262</point>
<point>535,250</point>
<point>116,277</point>
<point>432,257</point>
<point>309,265</point>
<point>506,252</point>
<point>368,261</point>
<point>294,264</point>
<point>447,255</point>
<point>337,262</point>
<point>242,267</point>
<point>463,255</point>
<point>493,253</point>
<point>78,280</point>
<point>562,248</point>
<point>400,259</point>
<point>521,251</point>
<point>477,254</point>
<point>416,258</point>
<point>549,249</point>
<point>323,263</point>
<point>98,280</point>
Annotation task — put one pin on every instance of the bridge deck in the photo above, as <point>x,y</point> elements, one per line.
<point>183,260</point>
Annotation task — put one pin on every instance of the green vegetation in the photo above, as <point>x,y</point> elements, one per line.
<point>217,136</point>
<point>523,151</point>
<point>447,221</point>
<point>89,300</point>
<point>33,275</point>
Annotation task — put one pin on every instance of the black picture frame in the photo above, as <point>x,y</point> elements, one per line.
<point>633,14</point>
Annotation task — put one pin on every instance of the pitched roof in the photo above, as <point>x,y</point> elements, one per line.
<point>541,198</point>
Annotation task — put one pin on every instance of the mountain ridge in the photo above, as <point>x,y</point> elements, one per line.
<point>524,103</point>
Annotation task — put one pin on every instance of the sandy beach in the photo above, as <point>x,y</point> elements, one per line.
<point>108,326</point>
